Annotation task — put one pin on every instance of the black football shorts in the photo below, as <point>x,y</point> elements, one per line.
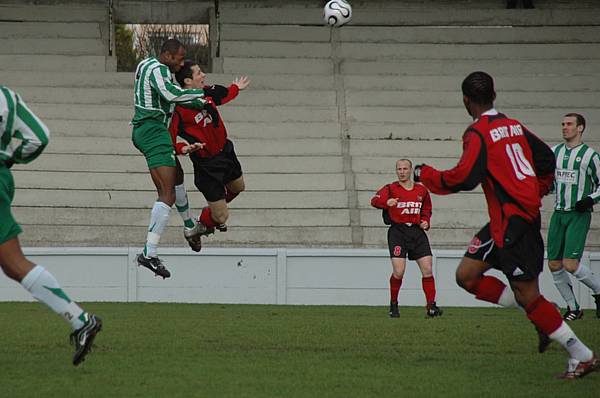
<point>405,240</point>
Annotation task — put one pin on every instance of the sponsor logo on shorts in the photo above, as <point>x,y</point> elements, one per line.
<point>474,245</point>
<point>517,272</point>
<point>397,250</point>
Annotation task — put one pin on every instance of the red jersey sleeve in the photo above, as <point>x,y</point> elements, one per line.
<point>173,130</point>
<point>379,200</point>
<point>426,208</point>
<point>466,175</point>
<point>232,92</point>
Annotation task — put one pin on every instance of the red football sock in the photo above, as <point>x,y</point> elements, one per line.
<point>206,218</point>
<point>487,288</point>
<point>429,288</point>
<point>544,315</point>
<point>230,195</point>
<point>395,284</point>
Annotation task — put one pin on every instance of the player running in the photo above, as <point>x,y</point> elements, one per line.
<point>515,169</point>
<point>23,137</point>
<point>217,171</point>
<point>408,206</point>
<point>577,189</point>
<point>155,96</point>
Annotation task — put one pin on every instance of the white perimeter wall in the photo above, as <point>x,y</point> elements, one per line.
<point>258,276</point>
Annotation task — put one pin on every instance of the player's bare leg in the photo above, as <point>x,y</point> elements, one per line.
<point>428,282</point>
<point>164,181</point>
<point>398,268</point>
<point>44,287</point>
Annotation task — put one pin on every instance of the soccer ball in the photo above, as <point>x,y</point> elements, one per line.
<point>337,12</point>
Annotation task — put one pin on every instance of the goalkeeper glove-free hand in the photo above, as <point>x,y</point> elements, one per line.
<point>584,204</point>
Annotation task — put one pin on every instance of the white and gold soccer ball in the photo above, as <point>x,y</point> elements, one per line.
<point>337,12</point>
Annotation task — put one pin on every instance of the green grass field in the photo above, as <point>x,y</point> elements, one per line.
<point>188,350</point>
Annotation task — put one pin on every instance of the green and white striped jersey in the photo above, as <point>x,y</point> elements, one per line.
<point>23,136</point>
<point>155,94</point>
<point>576,176</point>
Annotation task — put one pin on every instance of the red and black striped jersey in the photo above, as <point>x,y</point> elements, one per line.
<point>196,125</point>
<point>413,205</point>
<point>514,167</point>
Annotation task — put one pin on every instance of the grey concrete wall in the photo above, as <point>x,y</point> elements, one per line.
<point>260,276</point>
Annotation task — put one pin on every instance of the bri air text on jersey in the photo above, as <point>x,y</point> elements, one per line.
<point>500,132</point>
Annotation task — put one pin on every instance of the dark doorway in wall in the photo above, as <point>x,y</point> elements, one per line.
<point>134,42</point>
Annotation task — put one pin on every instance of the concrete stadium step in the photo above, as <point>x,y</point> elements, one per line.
<point>114,96</point>
<point>235,130</point>
<point>82,12</point>
<point>73,79</point>
<point>387,148</point>
<point>409,51</point>
<point>459,115</point>
<point>135,163</point>
<point>62,46</point>
<point>438,131</point>
<point>50,30</point>
<point>472,15</point>
<point>558,83</point>
<point>448,218</point>
<point>412,34</point>
<point>124,80</point>
<point>64,63</point>
<point>454,218</point>
<point>116,235</point>
<point>246,147</point>
<point>473,34</point>
<point>386,165</point>
<point>229,112</point>
<point>465,66</point>
<point>508,99</point>
<point>274,66</point>
<point>142,181</point>
<point>293,33</point>
<point>275,49</point>
<point>139,217</point>
<point>145,199</point>
<point>477,52</point>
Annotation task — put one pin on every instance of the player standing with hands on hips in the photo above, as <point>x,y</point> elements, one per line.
<point>408,207</point>
<point>576,189</point>
<point>515,169</point>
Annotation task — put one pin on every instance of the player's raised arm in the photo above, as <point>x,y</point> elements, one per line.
<point>160,80</point>
<point>465,176</point>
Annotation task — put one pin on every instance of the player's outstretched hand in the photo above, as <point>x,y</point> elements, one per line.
<point>242,82</point>
<point>192,147</point>
<point>584,204</point>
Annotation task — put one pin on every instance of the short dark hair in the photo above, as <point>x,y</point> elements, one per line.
<point>171,46</point>
<point>479,88</point>
<point>185,72</point>
<point>580,119</point>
